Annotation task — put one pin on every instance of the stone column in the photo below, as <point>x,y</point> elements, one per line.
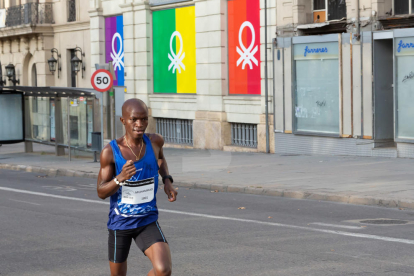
<point>299,11</point>
<point>210,127</point>
<point>97,37</point>
<point>129,34</point>
<point>44,76</point>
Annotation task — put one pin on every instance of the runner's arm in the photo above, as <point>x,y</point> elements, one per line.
<point>168,187</point>
<point>106,185</point>
<point>163,171</point>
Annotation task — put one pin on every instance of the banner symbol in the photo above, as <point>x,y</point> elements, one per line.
<point>176,60</point>
<point>117,57</point>
<point>247,55</point>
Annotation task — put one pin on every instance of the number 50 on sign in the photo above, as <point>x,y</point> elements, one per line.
<point>102,80</point>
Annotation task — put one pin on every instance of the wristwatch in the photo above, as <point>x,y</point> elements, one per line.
<point>118,183</point>
<point>167,177</point>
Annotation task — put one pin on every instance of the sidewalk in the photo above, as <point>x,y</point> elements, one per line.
<point>355,180</point>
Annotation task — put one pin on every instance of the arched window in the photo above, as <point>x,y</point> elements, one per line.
<point>34,75</point>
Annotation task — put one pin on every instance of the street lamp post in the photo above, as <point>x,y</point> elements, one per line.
<point>2,82</point>
<point>11,74</point>
<point>53,62</point>
<point>77,63</point>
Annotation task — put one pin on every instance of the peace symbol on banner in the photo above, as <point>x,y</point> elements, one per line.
<point>247,55</point>
<point>176,59</point>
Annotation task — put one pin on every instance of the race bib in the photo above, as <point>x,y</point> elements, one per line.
<point>138,192</point>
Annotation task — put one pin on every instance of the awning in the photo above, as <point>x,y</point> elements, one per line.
<point>51,91</point>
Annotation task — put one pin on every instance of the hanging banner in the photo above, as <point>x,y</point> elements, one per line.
<point>174,51</point>
<point>114,46</point>
<point>244,46</point>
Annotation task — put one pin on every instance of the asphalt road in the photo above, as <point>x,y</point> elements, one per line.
<point>57,226</point>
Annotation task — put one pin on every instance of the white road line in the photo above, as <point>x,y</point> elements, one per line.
<point>338,226</point>
<point>24,202</point>
<point>341,233</point>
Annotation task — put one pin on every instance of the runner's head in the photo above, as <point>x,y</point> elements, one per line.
<point>135,118</point>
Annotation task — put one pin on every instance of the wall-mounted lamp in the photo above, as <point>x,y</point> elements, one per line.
<point>78,64</point>
<point>53,62</point>
<point>11,74</point>
<point>2,82</point>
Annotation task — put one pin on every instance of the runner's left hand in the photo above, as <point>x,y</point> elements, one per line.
<point>170,191</point>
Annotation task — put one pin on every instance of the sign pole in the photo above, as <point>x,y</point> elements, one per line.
<point>102,124</point>
<point>69,146</point>
<point>102,81</point>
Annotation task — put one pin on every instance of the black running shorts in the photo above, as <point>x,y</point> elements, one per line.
<point>119,241</point>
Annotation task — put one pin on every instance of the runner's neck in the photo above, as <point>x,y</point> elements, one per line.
<point>134,142</point>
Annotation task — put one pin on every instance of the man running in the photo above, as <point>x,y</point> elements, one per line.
<point>129,176</point>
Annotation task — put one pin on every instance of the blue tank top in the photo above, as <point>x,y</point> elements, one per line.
<point>137,205</point>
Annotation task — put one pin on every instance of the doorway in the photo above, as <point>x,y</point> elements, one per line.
<point>384,91</point>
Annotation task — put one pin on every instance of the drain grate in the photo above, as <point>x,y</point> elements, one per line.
<point>384,221</point>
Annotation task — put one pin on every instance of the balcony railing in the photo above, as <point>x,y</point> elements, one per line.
<point>29,13</point>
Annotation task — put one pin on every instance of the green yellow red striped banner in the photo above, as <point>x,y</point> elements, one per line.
<point>174,51</point>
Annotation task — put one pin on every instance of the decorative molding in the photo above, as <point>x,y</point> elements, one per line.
<point>8,43</point>
<point>25,30</point>
<point>40,43</point>
<point>16,41</point>
<point>72,27</point>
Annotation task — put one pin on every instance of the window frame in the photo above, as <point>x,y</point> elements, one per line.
<point>410,8</point>
<point>326,9</point>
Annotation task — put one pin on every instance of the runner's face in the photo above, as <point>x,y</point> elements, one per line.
<point>136,123</point>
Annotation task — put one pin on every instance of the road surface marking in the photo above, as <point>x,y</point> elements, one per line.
<point>341,233</point>
<point>24,202</point>
<point>338,226</point>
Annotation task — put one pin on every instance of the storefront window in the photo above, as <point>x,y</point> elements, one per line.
<point>316,96</point>
<point>405,87</point>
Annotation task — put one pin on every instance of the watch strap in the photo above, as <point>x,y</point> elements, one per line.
<point>167,177</point>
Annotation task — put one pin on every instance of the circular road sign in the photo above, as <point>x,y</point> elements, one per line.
<point>102,80</point>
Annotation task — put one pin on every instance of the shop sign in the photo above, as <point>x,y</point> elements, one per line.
<point>327,50</point>
<point>244,46</point>
<point>114,47</point>
<point>404,46</point>
<point>174,50</point>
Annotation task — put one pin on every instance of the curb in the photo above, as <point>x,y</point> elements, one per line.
<point>348,199</point>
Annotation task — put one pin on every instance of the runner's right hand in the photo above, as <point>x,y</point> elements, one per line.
<point>128,171</point>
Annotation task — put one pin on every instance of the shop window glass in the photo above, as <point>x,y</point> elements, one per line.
<point>401,7</point>
<point>405,88</point>
<point>336,9</point>
<point>316,107</point>
<point>318,5</point>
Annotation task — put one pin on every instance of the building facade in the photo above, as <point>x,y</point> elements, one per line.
<point>31,33</point>
<point>182,59</point>
<point>338,70</point>
<point>343,80</point>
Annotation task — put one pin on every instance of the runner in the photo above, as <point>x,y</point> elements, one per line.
<point>129,176</point>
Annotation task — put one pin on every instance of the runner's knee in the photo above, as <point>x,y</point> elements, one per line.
<point>162,270</point>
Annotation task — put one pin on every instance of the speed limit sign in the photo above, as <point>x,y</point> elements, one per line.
<point>102,80</point>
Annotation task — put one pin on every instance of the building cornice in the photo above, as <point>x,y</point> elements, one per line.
<point>72,26</point>
<point>26,30</point>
